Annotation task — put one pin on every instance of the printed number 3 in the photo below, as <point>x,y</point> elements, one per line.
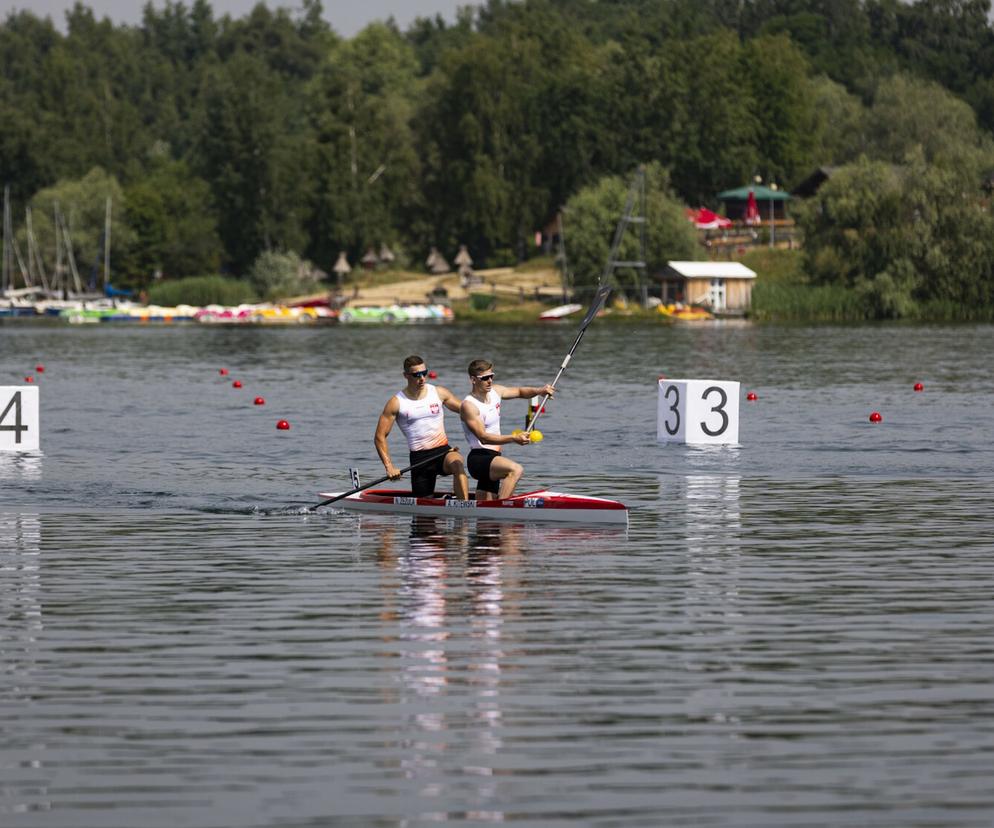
<point>718,409</point>
<point>17,428</point>
<point>675,409</point>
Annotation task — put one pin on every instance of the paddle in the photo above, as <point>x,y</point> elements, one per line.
<point>383,479</point>
<point>599,299</point>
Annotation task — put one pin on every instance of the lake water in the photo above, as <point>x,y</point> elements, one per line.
<point>798,631</point>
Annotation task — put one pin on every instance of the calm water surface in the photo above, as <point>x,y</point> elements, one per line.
<point>797,631</point>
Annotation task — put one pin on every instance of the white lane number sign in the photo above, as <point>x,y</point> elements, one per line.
<point>19,429</point>
<point>698,411</point>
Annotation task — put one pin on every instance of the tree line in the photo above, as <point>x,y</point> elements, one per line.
<point>221,139</point>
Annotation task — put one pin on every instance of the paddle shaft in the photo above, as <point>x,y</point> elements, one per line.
<point>382,479</point>
<point>595,306</point>
<point>599,297</point>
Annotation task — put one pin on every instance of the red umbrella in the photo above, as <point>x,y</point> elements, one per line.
<point>752,210</point>
<point>704,219</point>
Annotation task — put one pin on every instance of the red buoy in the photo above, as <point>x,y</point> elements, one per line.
<point>40,369</point>
<point>283,425</point>
<point>236,384</point>
<point>919,387</point>
<point>432,375</point>
<point>876,418</point>
<point>260,401</point>
<point>752,396</point>
<point>29,379</point>
<point>223,372</point>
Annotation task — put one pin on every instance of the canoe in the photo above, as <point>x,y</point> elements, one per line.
<point>540,505</point>
<point>559,313</point>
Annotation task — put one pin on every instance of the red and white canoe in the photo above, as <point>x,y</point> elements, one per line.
<point>540,505</point>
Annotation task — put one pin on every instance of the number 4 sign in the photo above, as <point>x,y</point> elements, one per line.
<point>698,411</point>
<point>18,418</point>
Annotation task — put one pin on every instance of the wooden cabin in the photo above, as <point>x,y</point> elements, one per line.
<point>724,288</point>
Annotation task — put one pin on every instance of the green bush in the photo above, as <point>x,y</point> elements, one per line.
<point>201,290</point>
<point>807,303</point>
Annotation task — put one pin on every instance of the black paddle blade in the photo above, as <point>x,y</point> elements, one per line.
<point>599,299</point>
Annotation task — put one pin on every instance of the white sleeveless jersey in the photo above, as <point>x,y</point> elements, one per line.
<point>490,414</point>
<point>421,420</point>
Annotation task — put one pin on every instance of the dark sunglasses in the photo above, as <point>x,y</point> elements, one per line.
<point>418,373</point>
<point>486,377</point>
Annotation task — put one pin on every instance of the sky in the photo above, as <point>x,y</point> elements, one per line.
<point>346,16</point>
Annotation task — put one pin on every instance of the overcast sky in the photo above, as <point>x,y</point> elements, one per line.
<point>346,16</point>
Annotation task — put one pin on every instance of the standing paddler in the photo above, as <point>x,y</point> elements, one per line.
<point>417,409</point>
<point>495,475</point>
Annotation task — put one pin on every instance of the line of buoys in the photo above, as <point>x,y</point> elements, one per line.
<point>281,425</point>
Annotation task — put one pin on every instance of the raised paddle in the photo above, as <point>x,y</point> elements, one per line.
<point>383,479</point>
<point>599,298</point>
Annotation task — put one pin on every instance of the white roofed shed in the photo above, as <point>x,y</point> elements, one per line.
<point>719,286</point>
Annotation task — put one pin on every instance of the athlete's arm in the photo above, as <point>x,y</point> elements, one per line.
<point>449,400</point>
<point>524,391</point>
<point>383,426</point>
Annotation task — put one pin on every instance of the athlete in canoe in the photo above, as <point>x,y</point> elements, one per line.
<point>417,409</point>
<point>495,475</point>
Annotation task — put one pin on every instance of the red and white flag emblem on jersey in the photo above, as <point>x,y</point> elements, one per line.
<point>434,408</point>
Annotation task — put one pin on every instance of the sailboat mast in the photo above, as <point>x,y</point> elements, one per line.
<point>107,244</point>
<point>8,262</point>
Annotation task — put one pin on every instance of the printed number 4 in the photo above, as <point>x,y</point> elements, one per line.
<point>17,428</point>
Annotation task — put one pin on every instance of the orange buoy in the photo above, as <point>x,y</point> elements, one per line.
<point>283,425</point>
<point>236,384</point>
<point>919,387</point>
<point>876,418</point>
<point>260,401</point>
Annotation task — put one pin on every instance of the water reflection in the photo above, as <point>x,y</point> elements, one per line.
<point>17,468</point>
<point>21,627</point>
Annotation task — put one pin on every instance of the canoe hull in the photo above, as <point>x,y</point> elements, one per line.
<point>538,506</point>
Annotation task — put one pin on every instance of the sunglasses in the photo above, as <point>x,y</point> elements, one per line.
<point>418,373</point>
<point>485,378</point>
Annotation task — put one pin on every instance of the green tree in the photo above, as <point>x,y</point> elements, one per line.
<point>254,150</point>
<point>83,202</point>
<point>363,104</point>
<point>175,229</point>
<point>902,237</point>
<point>592,216</point>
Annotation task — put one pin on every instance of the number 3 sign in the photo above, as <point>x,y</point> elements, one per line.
<point>698,411</point>
<point>18,418</point>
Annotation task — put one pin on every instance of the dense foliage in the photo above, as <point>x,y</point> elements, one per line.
<point>221,139</point>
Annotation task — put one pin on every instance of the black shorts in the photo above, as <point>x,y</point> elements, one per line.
<point>478,466</point>
<point>423,477</point>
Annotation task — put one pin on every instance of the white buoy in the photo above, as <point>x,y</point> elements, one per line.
<point>19,418</point>
<point>698,411</point>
